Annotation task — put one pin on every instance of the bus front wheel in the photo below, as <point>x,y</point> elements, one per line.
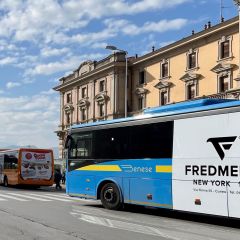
<point>110,196</point>
<point>5,181</point>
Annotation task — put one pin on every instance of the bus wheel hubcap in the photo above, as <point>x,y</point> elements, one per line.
<point>109,195</point>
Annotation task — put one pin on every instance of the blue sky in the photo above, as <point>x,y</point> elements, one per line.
<point>43,40</point>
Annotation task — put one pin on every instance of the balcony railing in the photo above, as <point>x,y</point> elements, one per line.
<point>227,95</point>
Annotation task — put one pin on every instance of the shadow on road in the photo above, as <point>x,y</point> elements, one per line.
<point>186,216</point>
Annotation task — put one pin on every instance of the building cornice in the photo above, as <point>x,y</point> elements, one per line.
<point>89,75</point>
<point>163,84</point>
<point>222,67</point>
<point>197,36</point>
<point>190,76</point>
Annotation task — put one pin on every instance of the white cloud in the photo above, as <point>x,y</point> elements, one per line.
<point>35,30</point>
<point>131,29</point>
<point>85,39</point>
<point>40,20</point>
<point>203,2</point>
<point>54,29</point>
<point>30,120</point>
<point>8,60</point>
<point>49,92</point>
<point>50,52</point>
<point>114,27</point>
<point>27,80</point>
<point>65,65</point>
<point>163,44</point>
<point>90,38</point>
<point>117,7</point>
<point>11,4</point>
<point>53,67</point>
<point>99,45</point>
<point>27,61</point>
<point>12,85</point>
<point>8,47</point>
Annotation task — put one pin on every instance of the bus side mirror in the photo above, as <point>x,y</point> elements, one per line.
<point>67,142</point>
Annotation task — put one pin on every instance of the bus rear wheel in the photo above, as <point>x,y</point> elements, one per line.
<point>5,181</point>
<point>110,197</point>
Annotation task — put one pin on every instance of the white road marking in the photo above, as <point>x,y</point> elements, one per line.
<point>31,197</point>
<point>73,213</point>
<point>44,197</point>
<point>122,225</point>
<point>12,197</point>
<point>72,198</point>
<point>97,212</point>
<point>125,226</point>
<point>49,197</point>
<point>57,195</point>
<point>79,212</point>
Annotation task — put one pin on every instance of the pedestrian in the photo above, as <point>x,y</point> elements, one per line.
<point>63,178</point>
<point>57,179</point>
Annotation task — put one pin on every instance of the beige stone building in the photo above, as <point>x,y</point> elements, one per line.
<point>204,64</point>
<point>93,92</point>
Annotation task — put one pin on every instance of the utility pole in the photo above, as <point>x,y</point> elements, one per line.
<point>237,3</point>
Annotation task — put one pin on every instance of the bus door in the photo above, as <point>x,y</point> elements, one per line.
<point>80,155</point>
<point>11,167</point>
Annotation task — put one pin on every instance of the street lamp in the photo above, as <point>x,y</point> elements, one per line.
<point>113,48</point>
<point>237,3</point>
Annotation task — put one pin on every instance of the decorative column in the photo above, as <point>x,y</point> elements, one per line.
<point>61,109</point>
<point>74,102</point>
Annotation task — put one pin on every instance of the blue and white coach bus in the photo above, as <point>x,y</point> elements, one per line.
<point>184,156</point>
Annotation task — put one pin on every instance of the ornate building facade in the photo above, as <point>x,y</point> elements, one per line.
<point>205,64</point>
<point>93,92</point>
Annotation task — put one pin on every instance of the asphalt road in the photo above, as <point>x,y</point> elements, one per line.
<point>48,214</point>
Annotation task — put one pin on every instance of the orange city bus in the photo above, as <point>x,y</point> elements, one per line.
<point>25,166</point>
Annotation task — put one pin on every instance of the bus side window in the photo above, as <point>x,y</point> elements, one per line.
<point>14,161</point>
<point>152,141</point>
<point>6,162</point>
<point>112,143</point>
<point>10,161</point>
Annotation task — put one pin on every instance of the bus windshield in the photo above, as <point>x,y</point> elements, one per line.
<point>80,145</point>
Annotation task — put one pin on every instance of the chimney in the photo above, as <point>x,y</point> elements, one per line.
<point>136,56</point>
<point>205,26</point>
<point>153,48</point>
<point>209,24</point>
<point>193,32</point>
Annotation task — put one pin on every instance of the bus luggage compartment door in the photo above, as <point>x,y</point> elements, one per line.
<point>81,185</point>
<point>151,192</point>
